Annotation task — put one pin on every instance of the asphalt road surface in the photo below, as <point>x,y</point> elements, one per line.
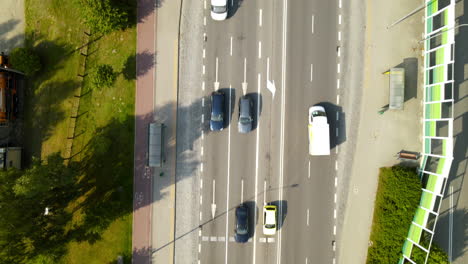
<point>283,55</point>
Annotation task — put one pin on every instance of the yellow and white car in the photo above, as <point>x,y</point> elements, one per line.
<point>269,220</point>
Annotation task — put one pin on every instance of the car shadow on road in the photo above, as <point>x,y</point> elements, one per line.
<point>233,6</point>
<point>257,100</point>
<point>229,104</point>
<point>253,216</point>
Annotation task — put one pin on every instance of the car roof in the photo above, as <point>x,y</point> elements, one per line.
<point>244,104</point>
<point>217,101</point>
<point>270,217</point>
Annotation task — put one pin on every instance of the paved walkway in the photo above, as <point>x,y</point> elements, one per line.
<point>12,23</point>
<point>142,184</point>
<point>380,137</point>
<point>156,101</point>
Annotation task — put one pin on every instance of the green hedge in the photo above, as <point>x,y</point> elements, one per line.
<point>398,195</point>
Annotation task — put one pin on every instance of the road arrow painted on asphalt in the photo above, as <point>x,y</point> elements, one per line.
<point>244,83</point>
<point>271,87</point>
<point>213,205</point>
<point>216,83</point>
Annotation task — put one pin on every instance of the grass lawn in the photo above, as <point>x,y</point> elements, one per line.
<point>101,223</point>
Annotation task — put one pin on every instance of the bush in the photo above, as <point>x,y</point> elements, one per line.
<point>104,16</point>
<point>436,255</point>
<point>25,60</point>
<point>398,196</point>
<point>104,76</point>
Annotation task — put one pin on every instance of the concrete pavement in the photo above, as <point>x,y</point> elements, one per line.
<point>380,137</point>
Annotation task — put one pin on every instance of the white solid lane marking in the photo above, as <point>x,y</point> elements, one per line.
<point>228,176</point>
<point>259,49</point>
<point>339,19</point>
<point>283,103</point>
<point>450,224</point>
<point>230,52</point>
<point>242,191</point>
<point>339,35</point>
<point>307,217</point>
<point>313,24</point>
<point>308,171</point>
<point>256,165</point>
<point>260,18</point>
<point>338,68</point>
<point>311,72</point>
<point>337,83</point>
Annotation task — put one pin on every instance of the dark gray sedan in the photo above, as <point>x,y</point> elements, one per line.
<point>245,114</point>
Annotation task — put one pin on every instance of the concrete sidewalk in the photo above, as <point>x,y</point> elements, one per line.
<point>12,23</point>
<point>380,136</point>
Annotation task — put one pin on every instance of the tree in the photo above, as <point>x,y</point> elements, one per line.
<point>25,60</point>
<point>104,16</point>
<point>25,232</point>
<point>104,76</point>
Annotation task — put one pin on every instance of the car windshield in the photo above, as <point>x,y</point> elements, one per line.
<point>241,229</point>
<point>269,226</point>
<point>217,117</point>
<point>318,113</point>
<point>218,9</point>
<point>244,120</point>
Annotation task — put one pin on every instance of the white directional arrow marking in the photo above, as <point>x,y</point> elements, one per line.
<point>213,205</point>
<point>271,87</point>
<point>244,83</point>
<point>216,83</point>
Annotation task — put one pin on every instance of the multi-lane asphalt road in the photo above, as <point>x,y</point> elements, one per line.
<point>285,55</point>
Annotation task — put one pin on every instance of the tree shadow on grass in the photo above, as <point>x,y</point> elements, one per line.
<point>44,111</point>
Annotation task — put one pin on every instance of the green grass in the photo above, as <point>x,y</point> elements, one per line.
<point>101,223</point>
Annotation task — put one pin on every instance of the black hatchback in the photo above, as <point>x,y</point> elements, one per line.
<point>242,224</point>
<point>217,111</point>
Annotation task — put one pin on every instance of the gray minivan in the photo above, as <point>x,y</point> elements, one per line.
<point>245,114</point>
